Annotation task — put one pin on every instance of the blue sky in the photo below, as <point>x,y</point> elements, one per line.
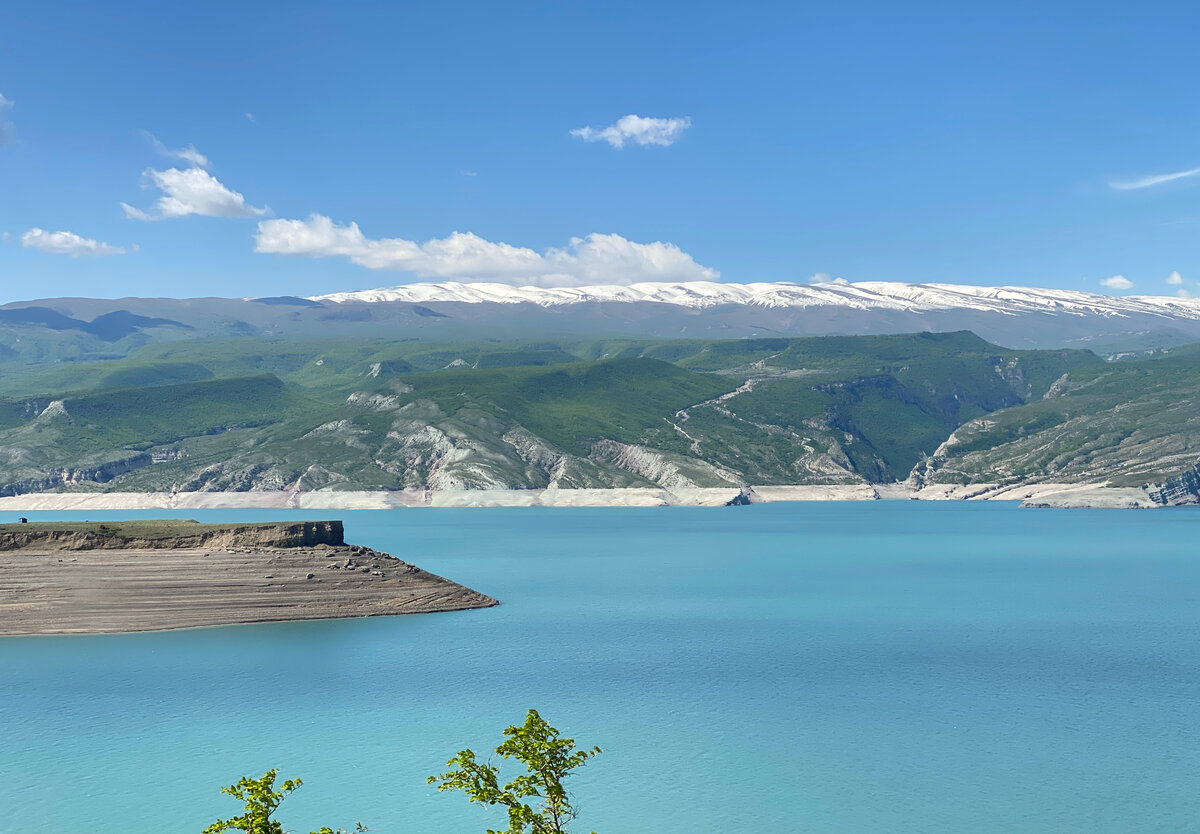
<point>932,142</point>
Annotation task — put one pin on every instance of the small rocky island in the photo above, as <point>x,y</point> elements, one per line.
<point>122,576</point>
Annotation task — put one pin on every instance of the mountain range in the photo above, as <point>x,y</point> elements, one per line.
<point>69,328</point>
<point>867,295</point>
<point>469,386</point>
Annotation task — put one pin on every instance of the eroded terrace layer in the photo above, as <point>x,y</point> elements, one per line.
<point>120,576</point>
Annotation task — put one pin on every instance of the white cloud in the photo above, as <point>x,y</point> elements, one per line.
<point>825,278</point>
<point>188,154</point>
<point>1175,278</point>
<point>67,243</point>
<point>191,191</point>
<point>1156,179</point>
<point>595,259</point>
<point>6,127</point>
<point>1117,282</point>
<point>1182,294</point>
<point>249,117</point>
<point>636,129</point>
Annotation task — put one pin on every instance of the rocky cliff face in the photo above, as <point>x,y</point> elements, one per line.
<point>670,471</point>
<point>1182,489</point>
<point>70,476</point>
<point>116,537</point>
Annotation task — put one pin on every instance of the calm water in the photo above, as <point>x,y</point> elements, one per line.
<point>886,666</point>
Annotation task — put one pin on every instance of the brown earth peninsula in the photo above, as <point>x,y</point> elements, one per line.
<point>120,576</point>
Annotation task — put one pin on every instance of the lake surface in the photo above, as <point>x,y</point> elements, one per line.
<point>883,666</point>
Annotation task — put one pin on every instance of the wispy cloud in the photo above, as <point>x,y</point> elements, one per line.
<point>636,129</point>
<point>1117,282</point>
<point>1153,180</point>
<point>826,278</point>
<point>7,131</point>
<point>188,154</point>
<point>1175,278</point>
<point>191,191</point>
<point>1182,294</point>
<point>595,259</point>
<point>67,243</point>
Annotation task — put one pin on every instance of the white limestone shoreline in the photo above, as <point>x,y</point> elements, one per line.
<point>1030,495</point>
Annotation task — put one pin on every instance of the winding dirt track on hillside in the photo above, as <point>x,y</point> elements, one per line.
<point>48,591</point>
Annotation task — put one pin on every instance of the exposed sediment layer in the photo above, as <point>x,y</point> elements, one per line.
<point>59,587</point>
<point>381,500</point>
<point>1045,495</point>
<point>1060,495</point>
<point>170,535</point>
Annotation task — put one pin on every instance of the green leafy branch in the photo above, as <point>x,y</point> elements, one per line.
<point>261,799</point>
<point>548,758</point>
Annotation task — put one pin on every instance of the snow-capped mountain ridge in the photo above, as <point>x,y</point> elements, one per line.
<point>866,295</point>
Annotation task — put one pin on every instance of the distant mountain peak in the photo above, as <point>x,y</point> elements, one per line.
<point>865,295</point>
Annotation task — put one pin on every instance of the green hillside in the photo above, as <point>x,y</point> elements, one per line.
<point>251,413</point>
<point>111,429</point>
<point>571,405</point>
<point>1128,423</point>
<point>832,408</point>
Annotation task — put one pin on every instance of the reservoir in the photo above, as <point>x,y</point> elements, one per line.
<point>887,666</point>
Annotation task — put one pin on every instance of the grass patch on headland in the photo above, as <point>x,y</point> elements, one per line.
<point>164,528</point>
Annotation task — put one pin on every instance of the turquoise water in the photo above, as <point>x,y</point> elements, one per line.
<point>885,666</point>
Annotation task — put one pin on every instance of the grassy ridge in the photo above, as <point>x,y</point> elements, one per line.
<point>91,432</point>
<point>572,405</point>
<point>159,528</point>
<point>138,418</point>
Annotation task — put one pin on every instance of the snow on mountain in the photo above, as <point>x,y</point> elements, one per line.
<point>865,295</point>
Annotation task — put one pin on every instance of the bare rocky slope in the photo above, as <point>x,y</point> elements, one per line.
<point>1182,489</point>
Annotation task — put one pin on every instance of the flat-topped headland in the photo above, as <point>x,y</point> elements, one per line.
<point>122,576</point>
